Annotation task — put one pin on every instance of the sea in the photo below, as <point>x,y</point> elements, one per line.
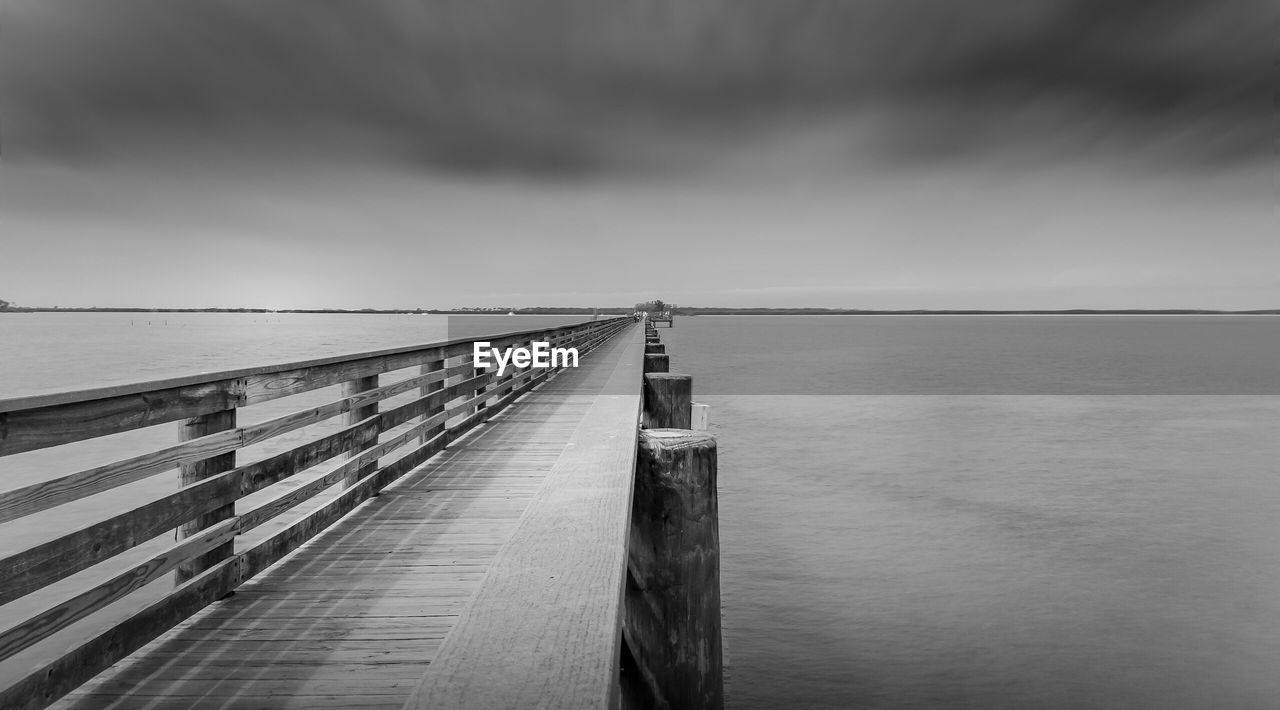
<point>916,512</point>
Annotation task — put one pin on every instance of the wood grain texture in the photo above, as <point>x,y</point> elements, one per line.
<point>667,398</point>
<point>47,494</point>
<point>543,630</point>
<point>198,471</point>
<point>54,679</point>
<point>672,622</point>
<point>368,437</point>
<point>34,568</point>
<point>657,363</point>
<point>112,589</point>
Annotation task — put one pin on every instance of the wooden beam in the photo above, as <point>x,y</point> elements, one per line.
<point>115,587</point>
<point>34,568</point>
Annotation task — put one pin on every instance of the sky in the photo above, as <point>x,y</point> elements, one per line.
<point>882,154</point>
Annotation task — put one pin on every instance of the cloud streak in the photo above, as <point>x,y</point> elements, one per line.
<point>569,87</point>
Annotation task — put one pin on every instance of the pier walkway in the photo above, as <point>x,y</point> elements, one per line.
<point>508,516</point>
<point>353,618</point>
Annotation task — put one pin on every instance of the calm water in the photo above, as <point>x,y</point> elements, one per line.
<point>965,512</point>
<point>969,520</point>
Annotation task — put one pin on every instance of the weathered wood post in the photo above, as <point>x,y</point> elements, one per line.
<point>655,349</point>
<point>356,415</point>
<point>657,363</point>
<point>672,619</point>
<point>190,473</point>
<point>429,367</point>
<point>667,398</point>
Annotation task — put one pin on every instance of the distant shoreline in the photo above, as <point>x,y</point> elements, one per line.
<point>683,311</point>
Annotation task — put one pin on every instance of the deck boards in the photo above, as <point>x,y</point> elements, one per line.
<point>353,618</point>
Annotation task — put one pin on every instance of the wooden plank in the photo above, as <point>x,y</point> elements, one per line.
<point>261,474</point>
<point>40,427</point>
<point>277,506</point>
<point>31,569</point>
<point>499,655</point>
<point>56,678</point>
<point>47,494</point>
<point>112,589</point>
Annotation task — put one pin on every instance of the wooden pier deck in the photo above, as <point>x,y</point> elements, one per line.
<point>353,618</point>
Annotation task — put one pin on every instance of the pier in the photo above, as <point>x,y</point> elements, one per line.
<point>456,537</point>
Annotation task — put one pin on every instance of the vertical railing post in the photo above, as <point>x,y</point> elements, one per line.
<point>426,390</point>
<point>481,405</point>
<point>356,415</point>
<point>195,472</point>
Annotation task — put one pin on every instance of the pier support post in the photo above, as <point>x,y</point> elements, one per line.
<point>657,363</point>
<point>655,349</point>
<point>672,621</point>
<point>667,398</point>
<point>349,389</point>
<point>190,473</point>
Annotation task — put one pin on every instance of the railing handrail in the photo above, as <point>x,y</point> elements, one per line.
<point>37,401</point>
<point>42,421</point>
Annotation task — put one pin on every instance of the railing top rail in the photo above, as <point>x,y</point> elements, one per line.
<point>37,401</point>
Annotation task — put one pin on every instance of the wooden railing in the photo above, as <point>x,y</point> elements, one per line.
<point>450,396</point>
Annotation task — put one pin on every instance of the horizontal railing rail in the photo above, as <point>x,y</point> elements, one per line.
<point>449,397</point>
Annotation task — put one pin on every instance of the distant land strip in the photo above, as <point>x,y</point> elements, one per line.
<point>680,311</point>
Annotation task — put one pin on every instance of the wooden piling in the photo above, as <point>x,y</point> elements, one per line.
<point>667,398</point>
<point>655,349</point>
<point>672,624</point>
<point>191,473</point>
<point>657,363</point>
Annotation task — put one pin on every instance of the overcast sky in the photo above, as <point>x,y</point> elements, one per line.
<point>871,154</point>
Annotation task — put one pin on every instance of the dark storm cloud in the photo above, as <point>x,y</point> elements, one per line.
<point>560,85</point>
